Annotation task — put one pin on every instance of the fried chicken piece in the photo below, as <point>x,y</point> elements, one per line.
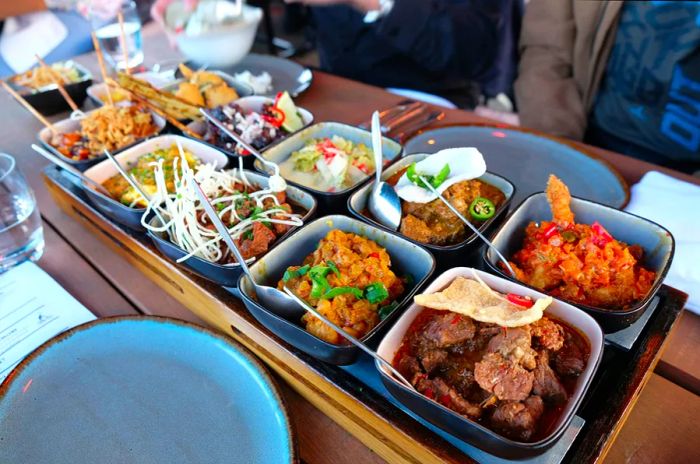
<point>559,200</point>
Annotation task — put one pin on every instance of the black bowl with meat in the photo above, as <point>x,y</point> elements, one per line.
<point>433,225</point>
<point>511,392</point>
<point>228,274</point>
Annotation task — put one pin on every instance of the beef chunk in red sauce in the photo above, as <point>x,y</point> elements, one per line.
<point>546,384</point>
<point>449,329</point>
<point>571,359</point>
<point>518,420</point>
<point>548,334</point>
<point>514,345</point>
<point>438,390</point>
<point>503,378</point>
<point>432,359</point>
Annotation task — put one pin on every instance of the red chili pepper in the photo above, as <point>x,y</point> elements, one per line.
<point>602,236</point>
<point>550,230</point>
<point>455,319</point>
<point>429,393</point>
<point>277,99</point>
<point>524,301</point>
<point>445,399</point>
<point>277,117</point>
<point>374,254</point>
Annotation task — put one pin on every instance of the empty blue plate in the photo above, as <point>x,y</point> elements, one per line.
<point>142,390</point>
<point>527,159</point>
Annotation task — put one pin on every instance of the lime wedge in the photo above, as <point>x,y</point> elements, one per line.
<point>292,121</point>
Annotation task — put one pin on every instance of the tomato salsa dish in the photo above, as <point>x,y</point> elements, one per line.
<point>515,381</point>
<point>579,262</point>
<point>349,280</point>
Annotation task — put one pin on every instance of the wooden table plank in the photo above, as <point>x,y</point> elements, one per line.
<point>662,428</point>
<point>681,360</point>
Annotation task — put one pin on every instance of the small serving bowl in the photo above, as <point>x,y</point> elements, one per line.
<point>406,258</point>
<point>447,255</point>
<point>223,45</point>
<point>466,429</point>
<point>131,217</point>
<point>98,95</point>
<point>48,99</point>
<point>73,125</point>
<point>329,202</point>
<point>227,275</point>
<point>657,242</point>
<point>248,104</point>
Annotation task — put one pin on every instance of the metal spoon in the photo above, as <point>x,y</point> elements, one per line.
<point>348,337</point>
<point>282,304</point>
<point>469,224</point>
<point>66,166</point>
<point>384,203</point>
<point>276,182</point>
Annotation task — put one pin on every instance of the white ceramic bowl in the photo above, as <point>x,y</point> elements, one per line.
<point>224,46</point>
<point>463,428</point>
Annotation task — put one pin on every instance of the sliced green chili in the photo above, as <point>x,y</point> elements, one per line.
<point>482,209</point>
<point>333,292</point>
<point>376,292</point>
<point>294,273</point>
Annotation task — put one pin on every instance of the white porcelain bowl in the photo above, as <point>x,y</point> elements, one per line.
<point>223,46</point>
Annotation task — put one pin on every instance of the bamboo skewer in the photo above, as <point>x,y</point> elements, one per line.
<point>158,111</point>
<point>29,107</point>
<point>59,84</point>
<point>103,70</point>
<point>125,49</point>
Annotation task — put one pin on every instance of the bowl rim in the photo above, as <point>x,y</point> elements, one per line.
<point>556,433</point>
<point>349,190</point>
<point>236,266</point>
<point>405,300</point>
<point>640,305</point>
<point>471,238</point>
<point>253,20</point>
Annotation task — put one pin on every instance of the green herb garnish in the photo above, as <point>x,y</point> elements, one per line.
<point>385,311</point>
<point>319,283</point>
<point>294,273</point>
<point>333,292</point>
<point>333,267</point>
<point>376,292</point>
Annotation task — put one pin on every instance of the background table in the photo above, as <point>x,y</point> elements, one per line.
<point>661,428</point>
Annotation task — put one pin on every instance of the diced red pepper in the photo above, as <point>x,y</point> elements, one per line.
<point>455,319</point>
<point>519,300</point>
<point>601,236</point>
<point>445,399</point>
<point>550,231</point>
<point>429,393</point>
<point>374,254</point>
<point>277,117</point>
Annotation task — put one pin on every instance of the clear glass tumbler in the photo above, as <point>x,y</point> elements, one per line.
<point>105,23</point>
<point>21,233</point>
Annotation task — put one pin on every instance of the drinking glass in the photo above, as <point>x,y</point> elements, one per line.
<point>21,233</point>
<point>105,23</point>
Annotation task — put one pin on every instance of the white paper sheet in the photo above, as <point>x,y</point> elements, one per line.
<point>33,308</point>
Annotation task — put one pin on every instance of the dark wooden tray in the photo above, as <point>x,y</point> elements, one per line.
<point>363,411</point>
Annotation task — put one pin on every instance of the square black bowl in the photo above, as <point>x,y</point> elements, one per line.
<point>227,275</point>
<point>447,255</point>
<point>657,242</point>
<point>406,258</point>
<point>48,100</point>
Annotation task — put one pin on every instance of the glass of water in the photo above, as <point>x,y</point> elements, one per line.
<point>21,233</point>
<point>105,22</point>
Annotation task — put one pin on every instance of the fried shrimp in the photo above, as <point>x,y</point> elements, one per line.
<point>559,200</point>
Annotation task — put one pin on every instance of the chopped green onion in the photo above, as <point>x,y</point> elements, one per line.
<point>333,292</point>
<point>333,267</point>
<point>294,273</point>
<point>376,292</point>
<point>319,283</point>
<point>385,311</point>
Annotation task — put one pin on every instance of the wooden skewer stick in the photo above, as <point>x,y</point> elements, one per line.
<point>29,107</point>
<point>125,49</point>
<point>59,84</point>
<point>158,111</point>
<point>101,62</point>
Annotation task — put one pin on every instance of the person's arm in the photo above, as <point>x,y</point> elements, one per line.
<point>19,7</point>
<point>545,91</point>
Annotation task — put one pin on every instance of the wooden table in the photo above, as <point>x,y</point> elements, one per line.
<point>659,429</point>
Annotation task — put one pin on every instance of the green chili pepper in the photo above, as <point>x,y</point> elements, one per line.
<point>333,292</point>
<point>293,273</point>
<point>482,209</point>
<point>333,267</point>
<point>441,176</point>
<point>319,283</point>
<point>385,311</point>
<point>376,292</point>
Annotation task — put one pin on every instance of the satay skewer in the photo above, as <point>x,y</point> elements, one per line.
<point>125,48</point>
<point>103,70</point>
<point>158,111</point>
<point>29,107</point>
<point>59,84</point>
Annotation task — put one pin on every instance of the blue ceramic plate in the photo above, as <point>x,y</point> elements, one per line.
<point>527,159</point>
<point>142,389</point>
